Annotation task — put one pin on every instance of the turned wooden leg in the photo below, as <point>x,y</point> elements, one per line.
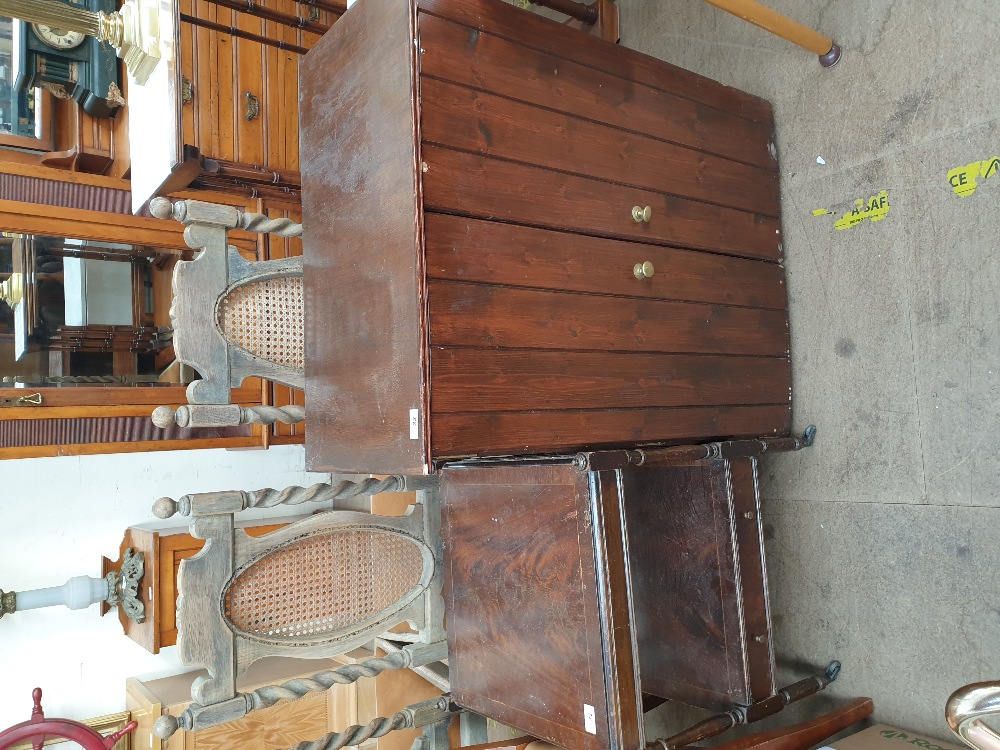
<point>786,28</point>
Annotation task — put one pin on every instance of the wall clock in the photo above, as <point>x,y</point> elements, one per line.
<point>58,38</point>
<point>68,64</point>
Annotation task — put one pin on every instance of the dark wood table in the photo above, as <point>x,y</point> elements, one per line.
<point>576,585</point>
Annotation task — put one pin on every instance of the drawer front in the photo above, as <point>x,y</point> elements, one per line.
<point>473,185</point>
<point>481,315</point>
<point>470,120</point>
<point>506,433</point>
<point>461,249</point>
<point>501,19</point>
<point>479,60</point>
<point>515,370</point>
<point>485,380</point>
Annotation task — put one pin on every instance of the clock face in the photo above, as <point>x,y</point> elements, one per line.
<point>58,38</point>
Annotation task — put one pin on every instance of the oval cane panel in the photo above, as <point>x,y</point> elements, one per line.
<point>322,584</point>
<point>264,318</point>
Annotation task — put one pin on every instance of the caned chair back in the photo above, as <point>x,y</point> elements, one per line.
<point>262,318</point>
<point>233,318</point>
<point>317,588</point>
<point>326,586</point>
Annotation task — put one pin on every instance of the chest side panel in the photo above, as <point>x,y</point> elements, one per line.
<point>362,250</point>
<point>509,23</point>
<point>524,617</point>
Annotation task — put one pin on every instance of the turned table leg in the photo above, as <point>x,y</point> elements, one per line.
<point>786,28</point>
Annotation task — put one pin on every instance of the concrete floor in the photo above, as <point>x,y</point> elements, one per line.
<point>882,539</point>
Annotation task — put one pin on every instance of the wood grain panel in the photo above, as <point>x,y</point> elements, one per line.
<point>686,584</point>
<point>463,249</point>
<point>249,79</point>
<point>691,589</point>
<point>364,334</point>
<point>467,56</point>
<point>753,578</point>
<point>281,725</point>
<point>481,315</point>
<point>521,577</point>
<point>472,185</point>
<point>500,433</point>
<point>472,120</point>
<point>509,22</point>
<point>226,91</point>
<point>466,380</point>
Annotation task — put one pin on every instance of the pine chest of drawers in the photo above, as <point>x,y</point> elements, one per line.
<point>520,239</point>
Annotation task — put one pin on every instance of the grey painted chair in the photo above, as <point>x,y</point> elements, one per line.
<point>233,318</point>
<point>316,588</point>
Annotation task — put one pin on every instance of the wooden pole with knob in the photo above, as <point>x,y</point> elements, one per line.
<point>786,28</point>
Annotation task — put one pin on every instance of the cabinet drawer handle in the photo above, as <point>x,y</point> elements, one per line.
<point>643,270</point>
<point>251,108</point>
<point>640,214</point>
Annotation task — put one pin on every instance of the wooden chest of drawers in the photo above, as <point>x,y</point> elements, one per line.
<point>520,239</point>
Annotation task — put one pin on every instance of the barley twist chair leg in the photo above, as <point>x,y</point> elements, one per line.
<point>418,715</point>
<point>716,725</point>
<point>203,717</point>
<point>236,501</point>
<point>226,415</point>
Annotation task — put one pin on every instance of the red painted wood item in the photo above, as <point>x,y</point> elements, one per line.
<point>38,729</point>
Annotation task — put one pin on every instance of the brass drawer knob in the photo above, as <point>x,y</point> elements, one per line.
<point>643,270</point>
<point>640,214</point>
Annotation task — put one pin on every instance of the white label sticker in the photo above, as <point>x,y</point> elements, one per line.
<point>589,720</point>
<point>414,424</point>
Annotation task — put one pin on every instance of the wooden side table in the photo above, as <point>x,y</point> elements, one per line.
<point>576,585</point>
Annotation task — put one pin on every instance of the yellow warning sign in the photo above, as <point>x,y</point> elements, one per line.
<point>875,208</point>
<point>963,179</point>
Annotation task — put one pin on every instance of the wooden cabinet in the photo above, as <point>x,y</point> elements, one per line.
<point>242,110</point>
<point>520,240</point>
<point>163,550</point>
<point>221,116</point>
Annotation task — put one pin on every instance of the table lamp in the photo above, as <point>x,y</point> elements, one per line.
<point>117,588</point>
